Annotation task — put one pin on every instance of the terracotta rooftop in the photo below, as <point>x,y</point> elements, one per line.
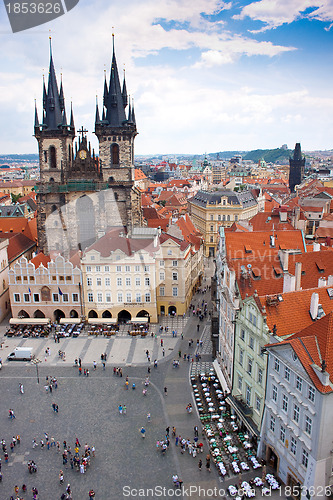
<point>138,174</point>
<point>41,259</point>
<point>19,225</point>
<point>18,244</point>
<point>264,221</point>
<point>266,273</point>
<point>257,243</point>
<point>312,345</point>
<point>292,313</point>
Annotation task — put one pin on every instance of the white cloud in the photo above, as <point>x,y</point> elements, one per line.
<point>278,12</point>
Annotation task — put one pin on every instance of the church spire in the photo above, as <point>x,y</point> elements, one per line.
<point>36,116</point>
<point>72,126</point>
<point>53,100</point>
<point>115,109</point>
<point>97,118</point>
<point>124,92</point>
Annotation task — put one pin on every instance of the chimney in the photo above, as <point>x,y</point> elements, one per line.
<point>283,216</point>
<point>314,305</point>
<point>330,280</point>
<point>322,282</point>
<point>272,241</point>
<point>289,283</point>
<point>298,275</point>
<point>100,233</point>
<point>284,259</point>
<point>316,247</point>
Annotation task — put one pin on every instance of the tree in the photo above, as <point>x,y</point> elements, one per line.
<point>15,197</point>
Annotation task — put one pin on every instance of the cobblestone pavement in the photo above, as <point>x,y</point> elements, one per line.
<point>88,409</point>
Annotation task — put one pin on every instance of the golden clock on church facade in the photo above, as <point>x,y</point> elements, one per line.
<point>82,154</point>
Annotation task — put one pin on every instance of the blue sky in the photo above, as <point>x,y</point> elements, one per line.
<point>205,75</point>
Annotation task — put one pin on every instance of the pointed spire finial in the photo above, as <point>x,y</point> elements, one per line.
<point>36,116</point>
<point>72,126</point>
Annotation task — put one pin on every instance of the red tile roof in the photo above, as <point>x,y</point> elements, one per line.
<point>313,345</point>
<point>292,313</point>
<point>138,174</point>
<point>18,244</point>
<point>264,221</point>
<point>189,232</point>
<point>258,243</point>
<point>19,225</point>
<point>41,259</point>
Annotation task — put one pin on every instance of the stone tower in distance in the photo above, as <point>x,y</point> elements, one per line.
<point>80,195</point>
<point>296,170</point>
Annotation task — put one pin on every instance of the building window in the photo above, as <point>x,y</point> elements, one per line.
<point>26,297</point>
<point>128,297</point>
<point>236,218</point>
<point>248,395</point>
<point>241,356</point>
<point>276,365</point>
<point>258,403</point>
<point>274,393</point>
<point>296,413</point>
<point>287,373</point>
<point>285,403</point>
<point>170,252</point>
<point>211,239</point>
<point>118,269</point>
<point>311,394</point>
<point>89,281</point>
<point>293,445</point>
<point>119,281</point>
<point>107,282</point>
<point>137,269</point>
<point>53,157</point>
<point>128,281</point>
<point>147,297</point>
<point>260,376</point>
<point>240,382</point>
<point>75,297</point>
<point>252,318</point>
<point>162,276</point>
<point>282,434</point>
<point>147,268</point>
<point>115,154</point>
<point>147,281</point>
<point>174,291</point>
<point>175,263</point>
<point>99,281</point>
<point>219,217</point>
<point>108,297</point>
<point>249,366</point>
<point>55,297</point>
<point>308,425</point>
<point>88,269</point>
<point>137,281</point>
<point>272,423</point>
<point>162,264</point>
<point>242,334</point>
<point>127,269</point>
<point>107,269</point>
<point>98,269</point>
<point>90,297</point>
<point>119,297</point>
<point>92,257</point>
<point>138,297</point>
<point>228,217</point>
<point>305,458</point>
<point>99,297</point>
<point>211,217</point>
<point>175,276</point>
<point>212,228</point>
<point>251,343</point>
<point>299,383</point>
<point>162,291</point>
<point>17,297</point>
<point>65,297</point>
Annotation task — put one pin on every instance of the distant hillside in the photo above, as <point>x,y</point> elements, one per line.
<point>269,155</point>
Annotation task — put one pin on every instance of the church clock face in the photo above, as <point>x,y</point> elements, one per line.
<point>82,154</point>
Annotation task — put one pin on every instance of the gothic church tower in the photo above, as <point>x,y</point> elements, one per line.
<point>79,195</point>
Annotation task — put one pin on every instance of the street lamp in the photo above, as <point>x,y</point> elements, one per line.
<point>36,362</point>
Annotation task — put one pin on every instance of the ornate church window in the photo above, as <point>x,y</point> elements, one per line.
<point>115,154</point>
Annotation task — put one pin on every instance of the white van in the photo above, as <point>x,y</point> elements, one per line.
<point>21,354</point>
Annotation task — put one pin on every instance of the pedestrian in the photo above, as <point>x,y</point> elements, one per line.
<point>80,370</point>
<point>165,391</point>
<point>208,463</point>
<point>163,352</point>
<point>120,408</point>
<point>196,432</point>
<point>103,365</point>
<point>148,417</point>
<point>143,432</point>
<point>87,373</point>
<point>95,365</point>
<point>91,494</point>
<point>124,409</point>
